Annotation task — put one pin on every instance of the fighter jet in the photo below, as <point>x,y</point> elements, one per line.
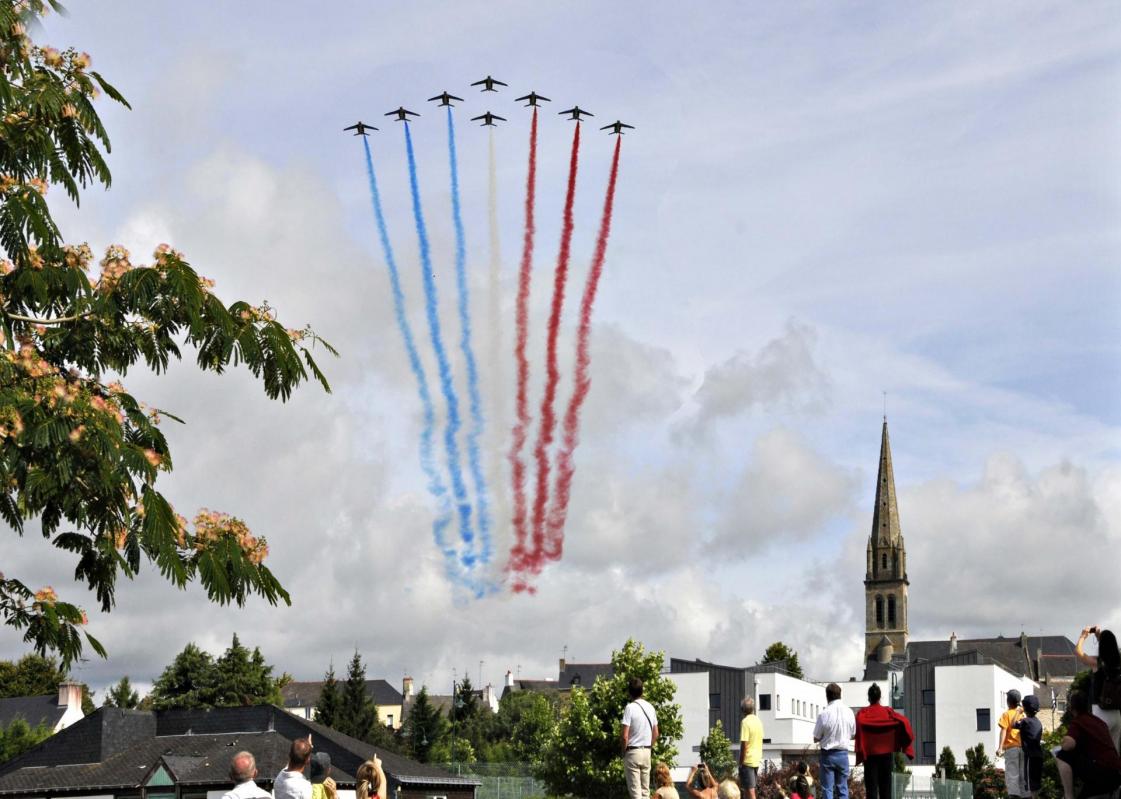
<point>445,98</point>
<point>488,83</point>
<point>576,111</point>
<point>489,117</point>
<point>616,128</point>
<point>361,127</point>
<point>400,114</point>
<point>533,97</point>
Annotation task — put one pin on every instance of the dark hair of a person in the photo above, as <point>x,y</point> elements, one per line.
<point>634,687</point>
<point>802,786</point>
<point>801,767</point>
<point>1109,658</point>
<point>832,691</point>
<point>874,693</point>
<point>1079,702</point>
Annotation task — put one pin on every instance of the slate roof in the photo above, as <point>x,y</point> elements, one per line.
<point>582,674</point>
<point>32,709</point>
<point>118,749</point>
<point>306,693</point>
<point>1039,657</point>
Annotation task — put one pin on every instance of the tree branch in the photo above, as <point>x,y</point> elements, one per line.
<point>59,321</point>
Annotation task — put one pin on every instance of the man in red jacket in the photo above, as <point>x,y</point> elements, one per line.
<point>880,733</point>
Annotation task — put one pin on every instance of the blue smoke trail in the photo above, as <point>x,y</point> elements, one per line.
<point>475,433</point>
<point>427,462</point>
<point>447,386</point>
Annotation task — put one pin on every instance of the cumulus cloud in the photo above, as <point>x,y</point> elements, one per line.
<point>786,494</point>
<point>1015,550</point>
<point>783,374</point>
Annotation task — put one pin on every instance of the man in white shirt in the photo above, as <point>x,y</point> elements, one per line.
<point>243,770</point>
<point>640,733</point>
<point>291,783</point>
<point>834,728</point>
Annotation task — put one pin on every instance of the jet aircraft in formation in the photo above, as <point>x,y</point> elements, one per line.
<point>445,98</point>
<point>488,118</point>
<point>361,128</point>
<point>616,128</point>
<point>400,113</point>
<point>488,83</point>
<point>533,97</point>
<point>575,112</point>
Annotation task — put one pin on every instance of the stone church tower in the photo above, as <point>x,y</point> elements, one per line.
<point>885,583</point>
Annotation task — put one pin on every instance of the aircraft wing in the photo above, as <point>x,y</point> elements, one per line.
<point>495,116</point>
<point>479,82</point>
<point>498,83</point>
<point>453,97</point>
<point>353,127</point>
<point>476,119</point>
<point>519,99</point>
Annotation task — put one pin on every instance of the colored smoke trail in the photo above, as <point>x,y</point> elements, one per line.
<point>552,373</point>
<point>427,462</point>
<point>562,489</point>
<point>521,321</point>
<point>447,386</point>
<point>494,312</point>
<point>474,456</point>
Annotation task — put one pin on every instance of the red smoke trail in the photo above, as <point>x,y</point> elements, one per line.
<point>552,373</point>
<point>517,464</point>
<point>558,513</point>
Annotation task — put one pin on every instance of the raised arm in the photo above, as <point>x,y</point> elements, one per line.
<point>1089,660</point>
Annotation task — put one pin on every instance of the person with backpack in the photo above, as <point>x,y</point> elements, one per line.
<point>1105,684</point>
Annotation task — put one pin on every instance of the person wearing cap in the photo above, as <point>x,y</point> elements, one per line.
<point>1009,745</point>
<point>322,785</point>
<point>1031,744</point>
<point>639,734</point>
<point>243,772</point>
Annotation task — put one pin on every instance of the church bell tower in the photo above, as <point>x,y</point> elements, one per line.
<point>885,582</point>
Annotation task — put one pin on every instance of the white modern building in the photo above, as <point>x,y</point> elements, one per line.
<point>968,702</point>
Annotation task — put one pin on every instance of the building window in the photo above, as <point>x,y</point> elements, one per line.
<point>984,719</point>
<point>928,697</point>
<point>714,701</point>
<point>764,701</point>
<point>388,719</point>
<point>928,749</point>
<point>879,611</point>
<point>891,611</point>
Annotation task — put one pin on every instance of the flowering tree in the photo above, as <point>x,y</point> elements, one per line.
<point>78,452</point>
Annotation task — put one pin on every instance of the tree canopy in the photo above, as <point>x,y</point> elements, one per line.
<point>122,695</point>
<point>194,679</point>
<point>327,706</point>
<point>582,755</point>
<point>36,675</point>
<point>424,727</point>
<point>716,753</point>
<point>780,653</point>
<point>79,453</point>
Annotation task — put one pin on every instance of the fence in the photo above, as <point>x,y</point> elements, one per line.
<point>503,780</point>
<point>919,786</point>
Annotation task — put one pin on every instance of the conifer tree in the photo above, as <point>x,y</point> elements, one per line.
<point>424,726</point>
<point>358,715</point>
<point>329,702</point>
<point>121,695</point>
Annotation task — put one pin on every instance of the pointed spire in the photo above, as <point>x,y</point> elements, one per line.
<point>885,517</point>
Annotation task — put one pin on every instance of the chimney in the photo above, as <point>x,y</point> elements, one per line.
<point>70,694</point>
<point>509,679</point>
<point>560,673</point>
<point>953,643</point>
<point>407,687</point>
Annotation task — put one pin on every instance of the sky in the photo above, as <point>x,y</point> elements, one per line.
<point>819,204</point>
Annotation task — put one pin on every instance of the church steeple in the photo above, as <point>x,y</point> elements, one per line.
<point>885,516</point>
<point>885,583</point>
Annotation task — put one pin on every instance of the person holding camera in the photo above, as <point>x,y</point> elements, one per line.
<point>700,783</point>
<point>1105,684</point>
